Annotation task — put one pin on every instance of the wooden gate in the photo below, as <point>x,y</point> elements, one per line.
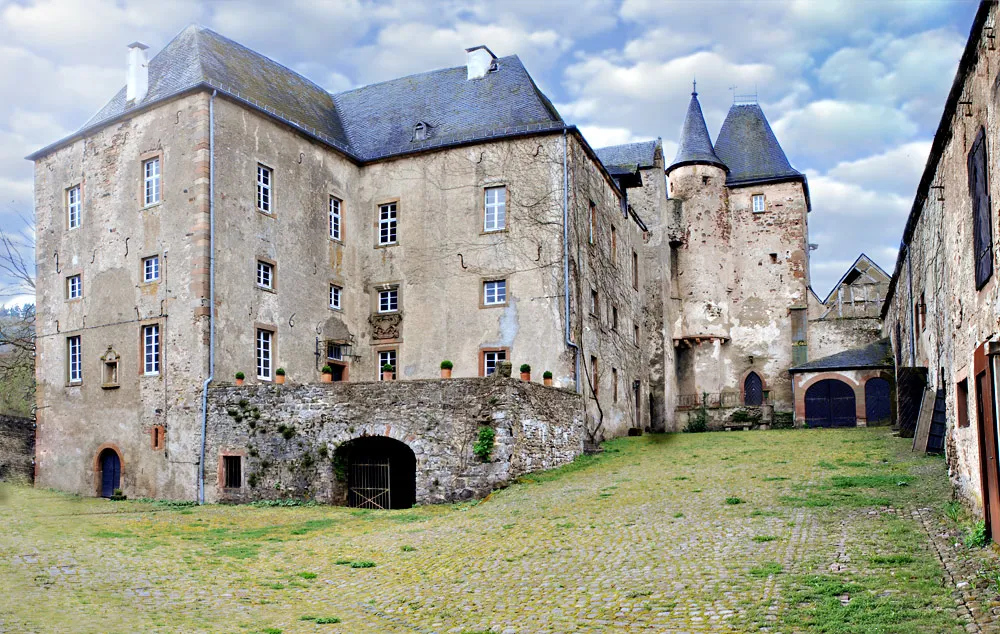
<point>368,483</point>
<point>830,403</point>
<point>111,472</point>
<point>878,406</point>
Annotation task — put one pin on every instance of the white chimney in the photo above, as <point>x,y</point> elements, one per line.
<point>480,61</point>
<point>138,72</point>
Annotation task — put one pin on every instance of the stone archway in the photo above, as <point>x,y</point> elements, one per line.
<point>380,472</point>
<point>831,403</point>
<point>108,470</point>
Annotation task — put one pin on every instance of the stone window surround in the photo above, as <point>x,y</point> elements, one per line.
<point>273,329</point>
<point>270,213</point>
<point>157,437</point>
<point>142,268</point>
<point>231,453</point>
<point>387,286</point>
<point>595,303</point>
<point>158,321</point>
<point>482,291</point>
<point>273,288</point>
<point>78,185</point>
<point>66,374</point>
<point>758,196</point>
<point>482,208</point>
<point>378,362</point>
<point>144,158</point>
<point>71,273</point>
<point>482,356</point>
<point>378,232</point>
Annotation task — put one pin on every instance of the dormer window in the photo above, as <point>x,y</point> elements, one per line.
<point>421,131</point>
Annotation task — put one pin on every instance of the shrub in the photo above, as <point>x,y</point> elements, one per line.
<point>953,510</point>
<point>280,371</point>
<point>546,375</point>
<point>525,367</point>
<point>734,501</point>
<point>699,421</point>
<point>483,447</point>
<point>388,367</point>
<point>240,376</point>
<point>976,537</point>
<point>447,365</point>
<point>783,420</point>
<point>327,370</point>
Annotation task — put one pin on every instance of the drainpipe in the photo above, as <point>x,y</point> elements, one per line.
<point>912,308</point>
<point>569,340</point>
<point>211,294</point>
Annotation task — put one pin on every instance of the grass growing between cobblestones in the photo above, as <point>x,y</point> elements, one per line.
<point>638,538</point>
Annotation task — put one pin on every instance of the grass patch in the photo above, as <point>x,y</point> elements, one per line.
<point>320,620</point>
<point>761,539</point>
<point>407,549</point>
<point>307,575</point>
<point>734,500</point>
<point>823,464</point>
<point>871,481</point>
<point>362,564</point>
<point>766,570</point>
<point>891,560</point>
<point>774,479</point>
<point>238,552</point>
<point>975,536</point>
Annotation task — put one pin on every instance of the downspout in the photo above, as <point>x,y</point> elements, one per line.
<point>211,294</point>
<point>912,308</point>
<point>569,339</point>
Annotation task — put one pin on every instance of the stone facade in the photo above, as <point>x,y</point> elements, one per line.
<point>438,420</point>
<point>17,449</point>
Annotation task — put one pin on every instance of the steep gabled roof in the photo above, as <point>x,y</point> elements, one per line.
<point>863,260</point>
<point>875,355</point>
<point>695,146</point>
<point>749,148</point>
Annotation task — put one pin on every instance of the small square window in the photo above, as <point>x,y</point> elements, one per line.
<point>74,287</point>
<point>151,181</point>
<point>492,359</point>
<point>264,180</point>
<point>232,468</point>
<point>495,218</point>
<point>73,207</point>
<point>265,275</point>
<point>335,219</point>
<point>758,203</point>
<point>388,301</point>
<point>386,357</point>
<point>335,293</point>
<point>151,269</point>
<point>495,293</point>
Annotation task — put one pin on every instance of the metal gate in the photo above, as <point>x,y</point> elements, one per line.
<point>368,483</point>
<point>753,390</point>
<point>830,403</point>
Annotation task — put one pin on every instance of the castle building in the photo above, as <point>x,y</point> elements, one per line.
<point>224,218</point>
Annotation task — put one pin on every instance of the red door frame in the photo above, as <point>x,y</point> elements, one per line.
<point>986,421</point>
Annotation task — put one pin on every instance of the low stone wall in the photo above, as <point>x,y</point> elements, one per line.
<point>17,449</point>
<point>729,418</point>
<point>288,435</point>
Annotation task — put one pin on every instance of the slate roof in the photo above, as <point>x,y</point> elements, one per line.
<point>368,123</point>
<point>627,158</point>
<point>749,148</point>
<point>695,144</point>
<point>875,355</point>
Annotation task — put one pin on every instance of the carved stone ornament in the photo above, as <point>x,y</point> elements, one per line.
<point>385,326</point>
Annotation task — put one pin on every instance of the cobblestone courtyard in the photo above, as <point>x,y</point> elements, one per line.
<point>812,530</point>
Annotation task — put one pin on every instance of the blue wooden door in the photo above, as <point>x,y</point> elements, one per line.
<point>830,403</point>
<point>111,472</point>
<point>753,390</point>
<point>877,404</point>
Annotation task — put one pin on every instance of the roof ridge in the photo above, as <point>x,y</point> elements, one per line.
<point>413,75</point>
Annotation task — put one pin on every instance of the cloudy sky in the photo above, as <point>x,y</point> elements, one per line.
<point>853,88</point>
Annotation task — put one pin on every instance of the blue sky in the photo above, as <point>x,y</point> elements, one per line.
<point>854,89</point>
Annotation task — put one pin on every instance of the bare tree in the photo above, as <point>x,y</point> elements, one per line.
<point>17,323</point>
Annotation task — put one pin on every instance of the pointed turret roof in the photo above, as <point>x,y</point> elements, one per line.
<point>695,144</point>
<point>750,149</point>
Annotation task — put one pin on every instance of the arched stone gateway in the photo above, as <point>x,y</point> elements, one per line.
<point>830,403</point>
<point>381,472</point>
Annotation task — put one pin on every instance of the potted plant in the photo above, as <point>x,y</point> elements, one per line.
<point>239,378</point>
<point>327,374</point>
<point>525,372</point>
<point>387,371</point>
<point>446,367</point>
<point>279,376</point>
<point>547,378</point>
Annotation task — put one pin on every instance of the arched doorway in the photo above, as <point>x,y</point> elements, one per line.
<point>830,403</point>
<point>381,473</point>
<point>878,406</point>
<point>111,472</point>
<point>753,390</point>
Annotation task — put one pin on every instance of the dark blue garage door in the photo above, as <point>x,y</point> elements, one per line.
<point>830,403</point>
<point>877,407</point>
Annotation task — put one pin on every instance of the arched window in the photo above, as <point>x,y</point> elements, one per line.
<point>753,390</point>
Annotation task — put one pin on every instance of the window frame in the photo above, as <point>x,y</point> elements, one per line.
<point>336,291</point>
<point>614,385</point>
<point>70,205</point>
<point>272,271</point>
<point>594,376</point>
<point>74,360</point>
<point>264,189</point>
<point>394,351</point>
<point>154,197</point>
<point>483,303</point>
<point>635,269</point>
<point>595,303</point>
<point>378,301</point>
<point>391,223</point>
<point>962,403</point>
<point>500,208</point>
<point>70,297</point>
<point>483,352</point>
<point>143,268</point>
<point>259,361</point>
<point>336,219</point>
<point>225,459</point>
<point>154,361</point>
<point>592,236</point>
<point>754,198</point>
<point>982,214</point>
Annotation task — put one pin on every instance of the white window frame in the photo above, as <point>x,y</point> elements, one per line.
<point>151,350</point>
<point>387,356</point>
<point>151,269</point>
<point>757,208</point>
<point>388,300</point>
<point>74,206</point>
<point>74,286</point>
<point>74,352</point>
<point>265,354</point>
<point>336,295</point>
<point>151,181</point>
<point>334,351</point>
<point>265,275</point>
<point>336,220</point>
<point>494,292</point>
<point>492,359</point>
<point>388,224</point>
<point>495,211</point>
<point>265,182</point>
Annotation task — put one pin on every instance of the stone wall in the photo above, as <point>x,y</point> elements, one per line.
<point>536,428</point>
<point>17,449</point>
<point>830,336</point>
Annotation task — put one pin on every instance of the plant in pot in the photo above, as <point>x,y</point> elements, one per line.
<point>387,371</point>
<point>446,367</point>
<point>547,378</point>
<point>279,376</point>
<point>327,374</point>
<point>525,372</point>
<point>239,378</point>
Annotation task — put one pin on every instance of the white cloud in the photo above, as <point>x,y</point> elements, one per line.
<point>897,170</point>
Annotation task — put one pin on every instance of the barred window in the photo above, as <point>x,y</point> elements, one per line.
<point>232,467</point>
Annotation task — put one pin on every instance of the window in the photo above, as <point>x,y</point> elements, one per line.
<point>74,287</point>
<point>593,375</point>
<point>265,340</point>
<point>151,269</point>
<point>334,218</point>
<point>962,402</point>
<point>635,270</point>
<point>232,470</point>
<point>492,359</point>
<point>388,301</point>
<point>151,182</point>
<point>614,317</point>
<point>386,357</point>
<point>334,351</point>
<point>387,224</point>
<point>614,245</point>
<point>495,293</point>
<point>593,221</point>
<point>635,334</point>
<point>264,179</point>
<point>982,229</point>
<point>495,217</point>
<point>758,203</point>
<point>75,365</point>
<point>151,349</point>
<point>595,307</point>
<point>614,385</point>
<point>157,434</point>
<point>265,275</point>
<point>335,292</point>
<point>73,207</point>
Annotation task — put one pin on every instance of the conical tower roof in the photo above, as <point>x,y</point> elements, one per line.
<point>750,149</point>
<point>695,145</point>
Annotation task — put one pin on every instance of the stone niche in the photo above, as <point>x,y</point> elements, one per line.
<point>291,441</point>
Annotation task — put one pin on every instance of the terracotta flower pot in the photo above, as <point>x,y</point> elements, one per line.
<point>547,382</point>
<point>526,376</point>
<point>239,382</point>
<point>387,376</point>
<point>279,379</point>
<point>326,377</point>
<point>445,373</point>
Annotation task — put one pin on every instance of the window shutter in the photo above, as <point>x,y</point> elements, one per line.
<point>982,229</point>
